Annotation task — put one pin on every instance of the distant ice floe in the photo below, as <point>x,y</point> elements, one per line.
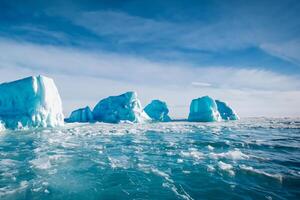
<point>30,102</point>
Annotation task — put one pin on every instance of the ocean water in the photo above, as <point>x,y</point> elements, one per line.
<point>255,158</point>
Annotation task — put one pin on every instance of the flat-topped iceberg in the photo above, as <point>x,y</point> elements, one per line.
<point>125,107</point>
<point>81,115</point>
<point>30,102</point>
<point>204,109</point>
<point>158,111</point>
<point>225,111</point>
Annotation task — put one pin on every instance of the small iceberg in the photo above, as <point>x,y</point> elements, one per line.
<point>125,107</point>
<point>225,111</point>
<point>206,109</point>
<point>158,111</point>
<point>81,115</point>
<point>30,102</point>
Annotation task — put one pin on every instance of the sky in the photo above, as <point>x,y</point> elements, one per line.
<point>246,53</point>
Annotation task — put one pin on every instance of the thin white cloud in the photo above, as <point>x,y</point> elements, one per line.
<point>289,50</point>
<point>201,84</point>
<point>254,28</point>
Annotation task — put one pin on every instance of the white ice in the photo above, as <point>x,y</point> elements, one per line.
<point>30,102</point>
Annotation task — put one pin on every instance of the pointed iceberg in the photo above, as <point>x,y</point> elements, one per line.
<point>225,111</point>
<point>125,107</point>
<point>204,109</point>
<point>81,115</point>
<point>30,102</point>
<point>158,111</point>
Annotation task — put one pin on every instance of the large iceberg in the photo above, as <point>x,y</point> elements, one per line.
<point>81,115</point>
<point>158,111</point>
<point>30,102</point>
<point>204,109</point>
<point>225,111</point>
<point>125,107</point>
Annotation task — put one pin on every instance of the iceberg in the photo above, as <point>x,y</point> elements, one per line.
<point>225,111</point>
<point>204,109</point>
<point>81,115</point>
<point>30,102</point>
<point>2,126</point>
<point>158,111</point>
<point>115,109</point>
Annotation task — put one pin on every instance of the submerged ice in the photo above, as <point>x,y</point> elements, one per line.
<point>30,102</point>
<point>158,111</point>
<point>206,109</point>
<point>125,107</point>
<point>81,115</point>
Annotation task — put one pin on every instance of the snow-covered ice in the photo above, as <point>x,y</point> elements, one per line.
<point>158,111</point>
<point>204,109</point>
<point>30,102</point>
<point>225,111</point>
<point>125,107</point>
<point>81,115</point>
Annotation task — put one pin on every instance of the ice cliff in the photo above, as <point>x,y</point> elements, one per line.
<point>81,115</point>
<point>30,102</point>
<point>225,111</point>
<point>158,111</point>
<point>125,107</point>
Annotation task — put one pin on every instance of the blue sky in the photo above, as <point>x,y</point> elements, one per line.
<point>243,52</point>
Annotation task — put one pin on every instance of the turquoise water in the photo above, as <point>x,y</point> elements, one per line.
<point>246,159</point>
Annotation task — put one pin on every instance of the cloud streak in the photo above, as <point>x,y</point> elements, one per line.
<point>84,77</point>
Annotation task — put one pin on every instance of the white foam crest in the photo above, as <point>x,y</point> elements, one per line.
<point>209,147</point>
<point>233,155</point>
<point>9,191</point>
<point>185,195</point>
<point>226,167</point>
<point>119,162</point>
<point>278,177</point>
<point>170,184</point>
<point>193,153</point>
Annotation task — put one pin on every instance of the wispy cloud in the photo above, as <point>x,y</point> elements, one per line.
<point>234,29</point>
<point>84,77</point>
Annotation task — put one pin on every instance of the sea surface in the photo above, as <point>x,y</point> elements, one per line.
<point>254,158</point>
